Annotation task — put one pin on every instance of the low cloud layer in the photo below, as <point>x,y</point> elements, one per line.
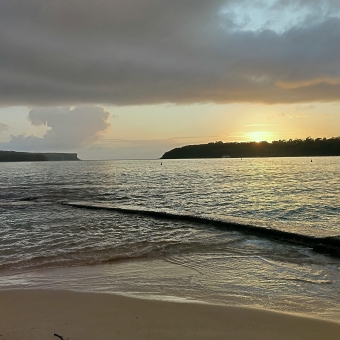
<point>69,129</point>
<point>127,52</point>
<point>3,127</point>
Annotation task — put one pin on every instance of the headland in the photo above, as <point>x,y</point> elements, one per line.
<point>292,148</point>
<point>14,156</point>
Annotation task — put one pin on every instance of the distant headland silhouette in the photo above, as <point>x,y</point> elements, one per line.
<point>13,156</point>
<point>291,148</point>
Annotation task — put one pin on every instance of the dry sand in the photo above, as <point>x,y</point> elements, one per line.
<point>38,314</point>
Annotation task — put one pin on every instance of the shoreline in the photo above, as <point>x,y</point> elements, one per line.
<point>157,279</point>
<point>39,314</point>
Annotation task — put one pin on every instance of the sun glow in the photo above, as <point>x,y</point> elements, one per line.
<point>259,136</point>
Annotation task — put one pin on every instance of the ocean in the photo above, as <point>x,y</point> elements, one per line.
<point>225,231</point>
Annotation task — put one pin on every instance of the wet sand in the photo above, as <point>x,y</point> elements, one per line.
<point>39,314</point>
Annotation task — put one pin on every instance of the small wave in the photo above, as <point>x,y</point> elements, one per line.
<point>315,282</point>
<point>33,198</point>
<point>122,198</point>
<point>123,258</point>
<point>326,245</point>
<point>184,265</point>
<point>16,204</point>
<point>10,196</point>
<point>67,260</point>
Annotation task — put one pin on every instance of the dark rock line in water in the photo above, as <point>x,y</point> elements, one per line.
<point>325,245</point>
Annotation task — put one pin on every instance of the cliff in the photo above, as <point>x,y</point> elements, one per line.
<point>61,156</point>
<point>13,156</point>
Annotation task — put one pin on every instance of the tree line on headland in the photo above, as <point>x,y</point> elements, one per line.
<point>281,148</point>
<point>13,156</point>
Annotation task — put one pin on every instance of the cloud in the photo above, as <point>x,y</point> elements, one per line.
<point>126,52</point>
<point>259,125</point>
<point>69,128</point>
<point>305,107</point>
<point>307,83</point>
<point>3,127</point>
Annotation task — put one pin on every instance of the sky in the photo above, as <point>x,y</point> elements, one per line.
<point>132,79</point>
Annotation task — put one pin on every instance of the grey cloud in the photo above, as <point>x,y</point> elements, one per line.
<point>68,129</point>
<point>3,127</point>
<point>126,52</point>
<point>305,107</point>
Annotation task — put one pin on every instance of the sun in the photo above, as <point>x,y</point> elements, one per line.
<point>259,136</point>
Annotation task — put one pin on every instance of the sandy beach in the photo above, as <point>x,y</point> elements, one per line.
<point>39,314</point>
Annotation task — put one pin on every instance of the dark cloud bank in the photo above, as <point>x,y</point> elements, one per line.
<point>154,51</point>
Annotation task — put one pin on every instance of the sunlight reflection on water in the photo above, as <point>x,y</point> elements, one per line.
<point>174,257</point>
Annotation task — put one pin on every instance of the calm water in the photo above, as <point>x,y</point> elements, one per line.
<point>47,244</point>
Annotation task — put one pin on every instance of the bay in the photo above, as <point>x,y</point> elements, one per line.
<point>45,243</point>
